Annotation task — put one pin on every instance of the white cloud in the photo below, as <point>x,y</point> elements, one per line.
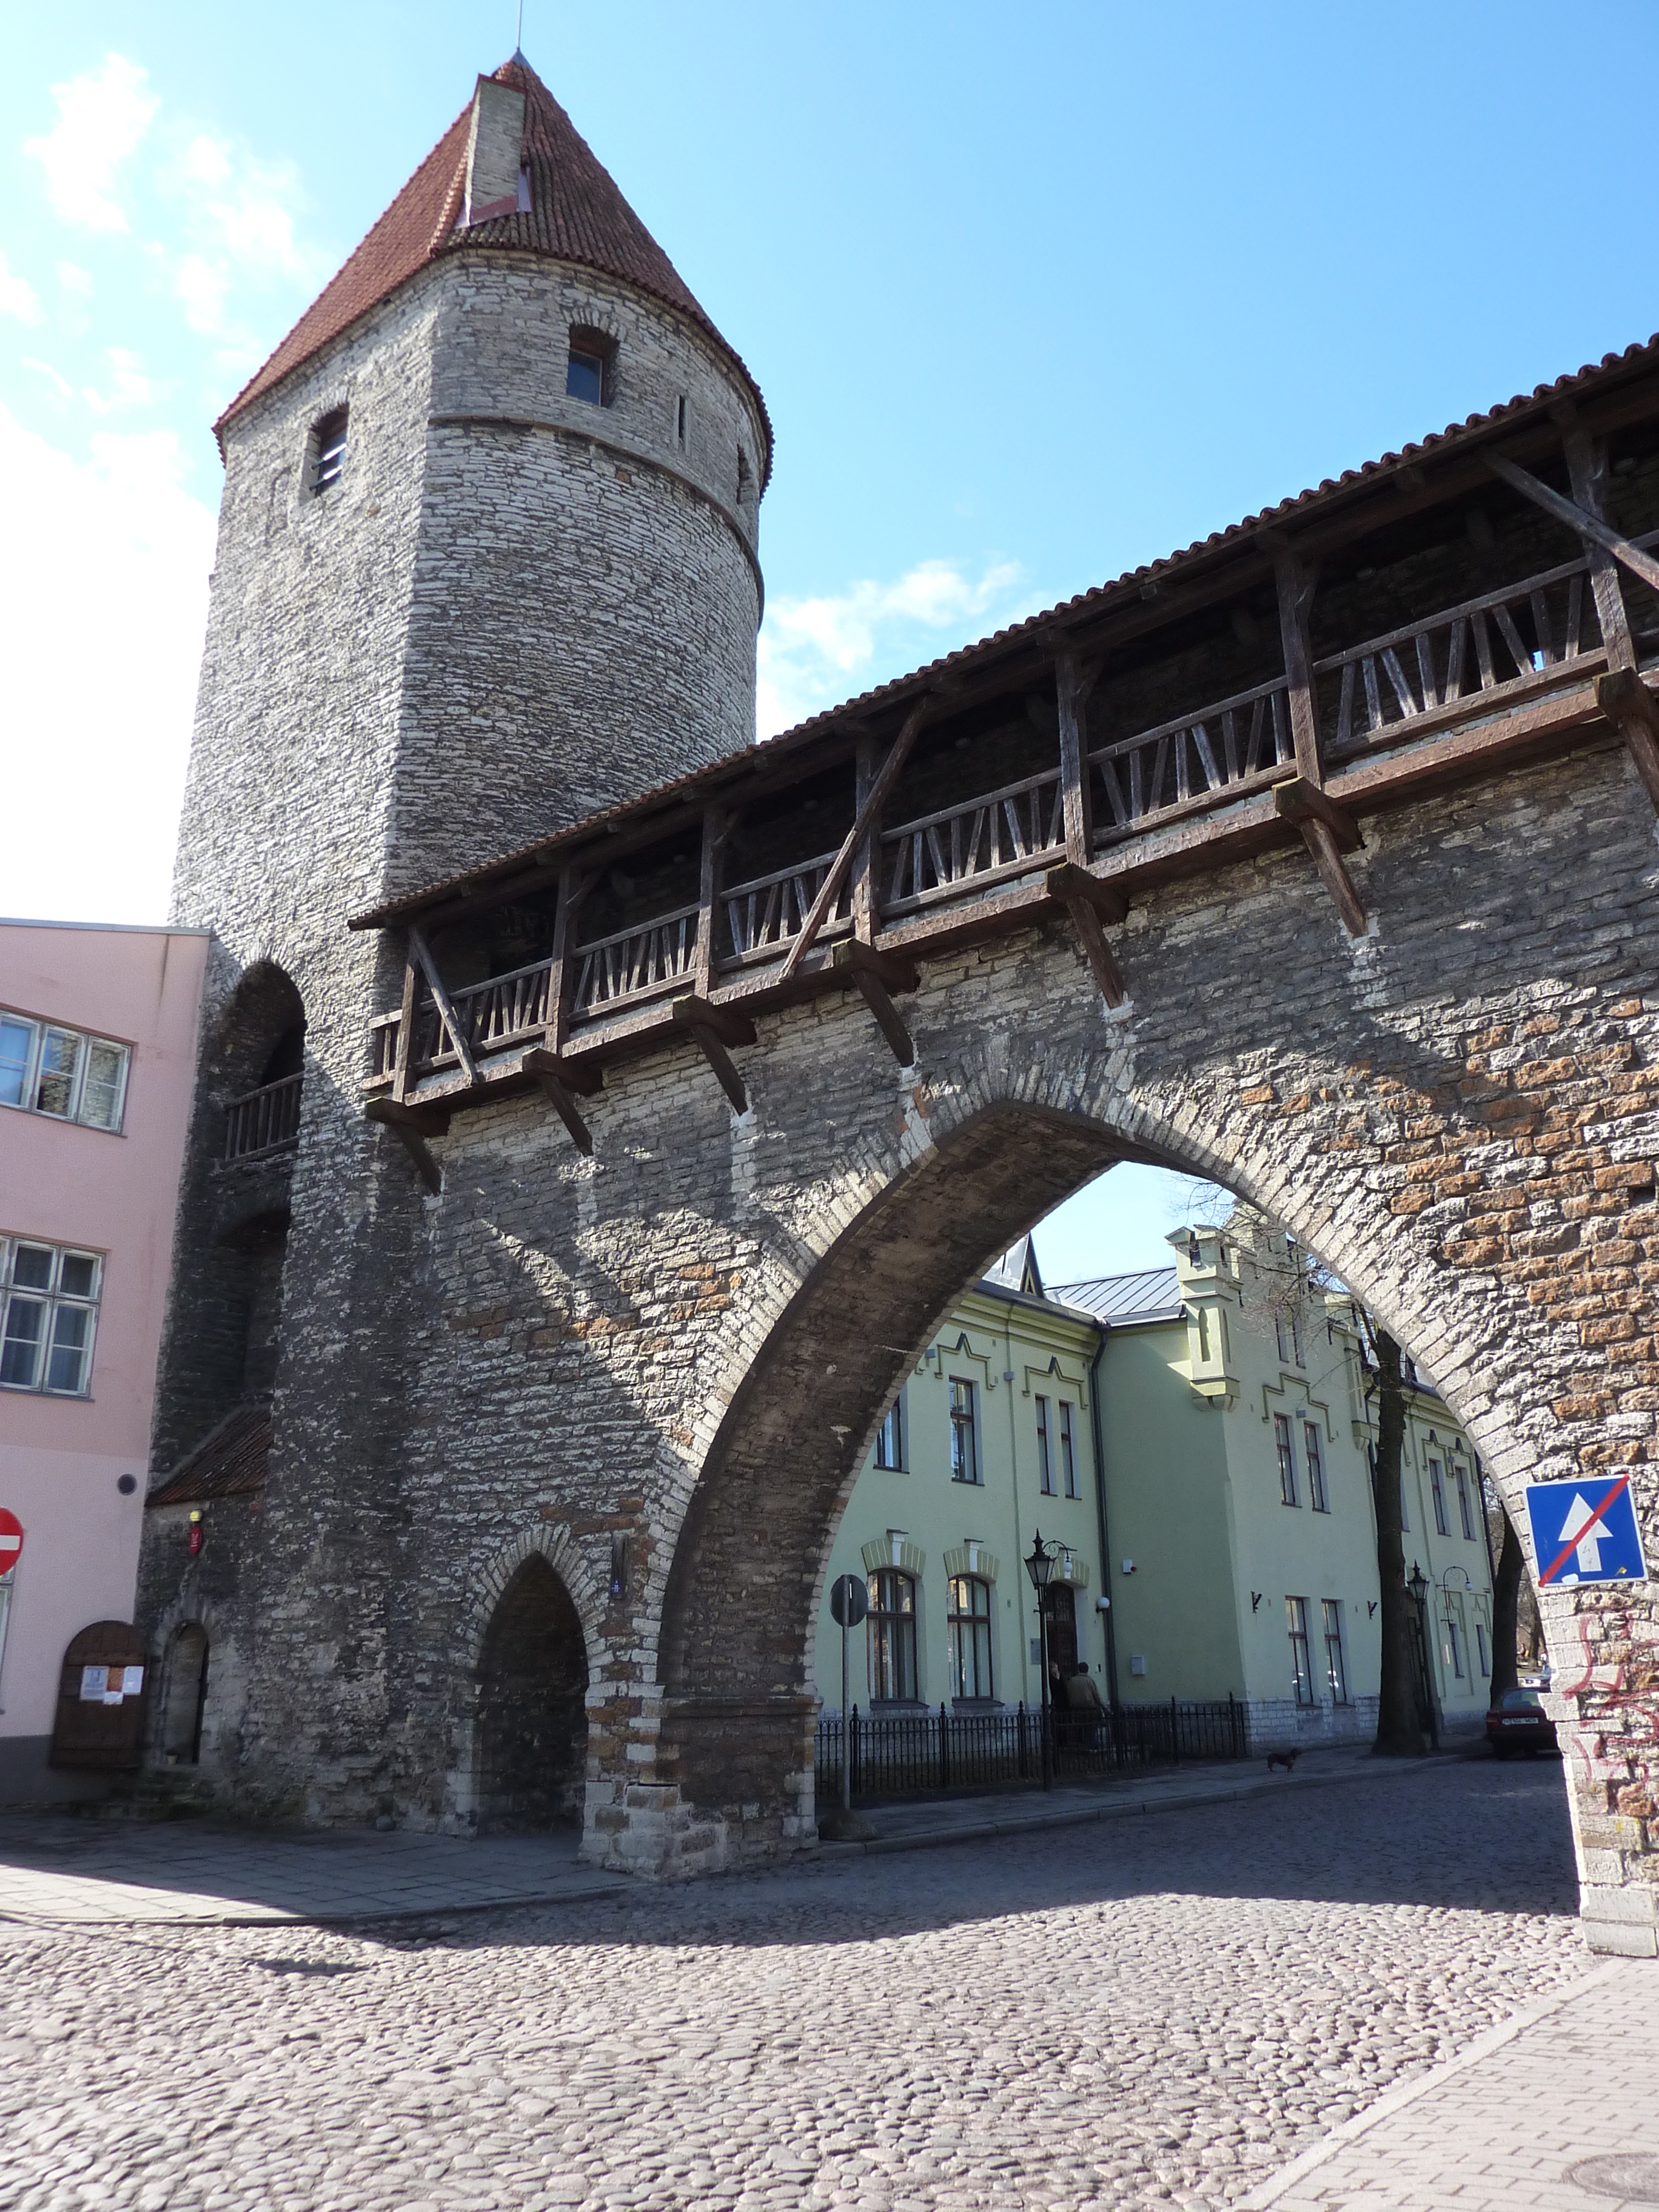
<point>17,296</point>
<point>814,651</point>
<point>75,279</point>
<point>103,598</point>
<point>100,121</point>
<point>238,216</point>
<point>59,383</point>
<point>201,286</point>
<point>128,386</point>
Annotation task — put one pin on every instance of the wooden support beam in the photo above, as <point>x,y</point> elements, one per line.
<point>401,1066</point>
<point>1296,590</point>
<point>1297,800</point>
<point>1086,900</point>
<point>864,823</point>
<point>865,890</point>
<point>1328,831</point>
<point>413,1125</point>
<point>876,975</point>
<point>1641,565</point>
<point>574,887</point>
<point>1067,882</point>
<point>713,1028</point>
<point>1073,682</point>
<point>1587,466</point>
<point>714,839</point>
<point>442,1000</point>
<point>554,1077</point>
<point>1632,708</point>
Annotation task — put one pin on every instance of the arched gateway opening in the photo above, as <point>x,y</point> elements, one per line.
<point>740,1606</point>
<point>532,1719</point>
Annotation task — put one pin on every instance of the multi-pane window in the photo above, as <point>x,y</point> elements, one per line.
<point>1296,1621</point>
<point>48,1316</point>
<point>1068,1449</point>
<point>889,1436</point>
<point>1454,1641</point>
<point>1286,1451</point>
<point>591,372</point>
<point>892,1636</point>
<point>1336,1665</point>
<point>1437,1491</point>
<point>1464,1512</point>
<point>328,445</point>
<point>1483,1650</point>
<point>1045,1457</point>
<point>1318,1497</point>
<point>46,1069</point>
<point>965,1431</point>
<point>970,1636</point>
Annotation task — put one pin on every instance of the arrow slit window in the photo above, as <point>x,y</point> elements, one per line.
<point>48,1317</point>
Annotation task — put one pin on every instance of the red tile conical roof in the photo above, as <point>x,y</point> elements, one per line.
<point>576,214</point>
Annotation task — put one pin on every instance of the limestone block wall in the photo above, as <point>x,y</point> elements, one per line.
<point>685,1342</point>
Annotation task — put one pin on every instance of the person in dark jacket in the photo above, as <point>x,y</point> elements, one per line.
<point>1087,1706</point>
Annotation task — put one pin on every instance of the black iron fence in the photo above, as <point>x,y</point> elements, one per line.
<point>912,1755</point>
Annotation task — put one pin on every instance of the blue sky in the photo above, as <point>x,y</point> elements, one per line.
<point>1034,294</point>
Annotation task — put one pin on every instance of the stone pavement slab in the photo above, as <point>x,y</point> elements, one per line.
<point>1556,2110</point>
<point>121,1871</point>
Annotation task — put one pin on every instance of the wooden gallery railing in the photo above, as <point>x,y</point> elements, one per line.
<point>263,1120</point>
<point>1471,663</point>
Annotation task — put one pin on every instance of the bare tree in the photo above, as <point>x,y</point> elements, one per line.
<point>1399,1716</point>
<point>1506,1610</point>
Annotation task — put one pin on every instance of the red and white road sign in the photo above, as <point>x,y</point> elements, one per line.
<point>11,1540</point>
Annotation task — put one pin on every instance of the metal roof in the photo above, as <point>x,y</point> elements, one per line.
<point>1148,1294</point>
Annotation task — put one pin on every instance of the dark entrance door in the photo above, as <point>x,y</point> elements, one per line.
<point>101,1695</point>
<point>1062,1627</point>
<point>532,1721</point>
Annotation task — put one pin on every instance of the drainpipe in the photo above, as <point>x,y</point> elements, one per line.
<point>1019,1540</point>
<point>1108,1616</point>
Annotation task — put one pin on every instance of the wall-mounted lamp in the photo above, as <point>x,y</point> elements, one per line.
<point>1102,1605</point>
<point>1255,1600</point>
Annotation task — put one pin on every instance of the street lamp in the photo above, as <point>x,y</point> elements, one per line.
<point>1040,1566</point>
<point>1419,1586</point>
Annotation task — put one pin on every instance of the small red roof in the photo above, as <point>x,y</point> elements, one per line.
<point>576,214</point>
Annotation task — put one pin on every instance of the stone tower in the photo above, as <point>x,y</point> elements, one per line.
<point>486,564</point>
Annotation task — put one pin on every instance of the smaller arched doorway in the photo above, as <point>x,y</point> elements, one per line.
<point>533,1715</point>
<point>184,1697</point>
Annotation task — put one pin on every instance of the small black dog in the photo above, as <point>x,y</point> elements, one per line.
<point>1285,1758</point>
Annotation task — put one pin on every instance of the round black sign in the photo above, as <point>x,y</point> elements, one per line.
<point>849,1601</point>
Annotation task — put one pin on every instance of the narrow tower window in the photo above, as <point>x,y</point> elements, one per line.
<point>591,375</point>
<point>680,421</point>
<point>745,481</point>
<point>328,445</point>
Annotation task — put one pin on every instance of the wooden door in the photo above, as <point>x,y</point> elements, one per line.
<point>101,1696</point>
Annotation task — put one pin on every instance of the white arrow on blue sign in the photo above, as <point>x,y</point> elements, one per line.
<point>1585,1532</point>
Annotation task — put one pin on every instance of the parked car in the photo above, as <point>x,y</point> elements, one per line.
<point>1518,1722</point>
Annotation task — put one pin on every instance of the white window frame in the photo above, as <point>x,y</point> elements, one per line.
<point>976,1629</point>
<point>1336,1653</point>
<point>1319,1496</point>
<point>1285,1455</point>
<point>52,1302</point>
<point>891,1438</point>
<point>1295,1624</point>
<point>1465,1513</point>
<point>1068,1448</point>
<point>1045,1456</point>
<point>1438,1494</point>
<point>969,1428</point>
<point>39,1034</point>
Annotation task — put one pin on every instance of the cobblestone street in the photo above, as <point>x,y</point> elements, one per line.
<point>1127,2014</point>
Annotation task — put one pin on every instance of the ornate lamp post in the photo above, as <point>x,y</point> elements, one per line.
<point>1417,1587</point>
<point>1040,1566</point>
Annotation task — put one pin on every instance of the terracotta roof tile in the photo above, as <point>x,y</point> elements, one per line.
<point>229,1461</point>
<point>576,214</point>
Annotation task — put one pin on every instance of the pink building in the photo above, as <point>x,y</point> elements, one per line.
<point>97,1036</point>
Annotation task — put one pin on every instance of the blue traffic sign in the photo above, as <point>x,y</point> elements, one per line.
<point>1585,1532</point>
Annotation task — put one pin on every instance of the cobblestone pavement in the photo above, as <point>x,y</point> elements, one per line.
<point>1124,2013</point>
